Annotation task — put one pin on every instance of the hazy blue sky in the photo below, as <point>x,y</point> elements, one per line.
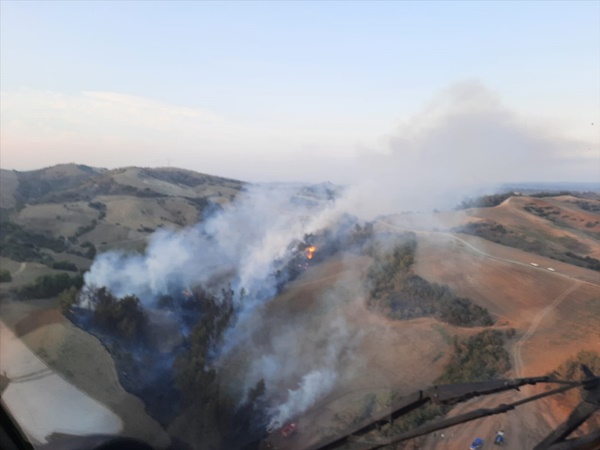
<point>304,90</point>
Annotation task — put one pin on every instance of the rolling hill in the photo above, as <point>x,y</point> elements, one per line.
<point>529,261</point>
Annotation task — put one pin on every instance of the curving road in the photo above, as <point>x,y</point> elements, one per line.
<point>489,255</point>
<point>518,263</point>
<point>526,425</point>
<point>21,268</point>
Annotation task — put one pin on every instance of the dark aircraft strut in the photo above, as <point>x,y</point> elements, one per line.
<point>457,393</point>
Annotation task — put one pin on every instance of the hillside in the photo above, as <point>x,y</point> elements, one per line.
<point>553,315</point>
<point>69,212</point>
<point>564,228</point>
<point>370,311</point>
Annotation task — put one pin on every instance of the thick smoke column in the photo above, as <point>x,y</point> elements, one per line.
<point>251,238</point>
<point>461,140</point>
<point>246,238</point>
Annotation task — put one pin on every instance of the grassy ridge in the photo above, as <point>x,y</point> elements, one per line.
<point>398,293</point>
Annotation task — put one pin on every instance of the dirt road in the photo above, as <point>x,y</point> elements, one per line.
<point>481,252</point>
<point>525,426</point>
<point>21,268</point>
<point>516,352</point>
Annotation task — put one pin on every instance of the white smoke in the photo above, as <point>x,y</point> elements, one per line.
<point>321,378</point>
<point>461,140</point>
<point>247,237</point>
<point>313,386</point>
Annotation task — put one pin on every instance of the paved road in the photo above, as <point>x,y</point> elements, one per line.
<point>21,268</point>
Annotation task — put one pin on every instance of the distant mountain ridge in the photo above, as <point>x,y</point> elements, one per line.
<point>75,182</point>
<point>69,211</point>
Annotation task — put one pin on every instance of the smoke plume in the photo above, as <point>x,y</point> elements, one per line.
<point>463,140</point>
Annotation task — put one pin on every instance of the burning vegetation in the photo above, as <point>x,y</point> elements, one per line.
<point>172,330</point>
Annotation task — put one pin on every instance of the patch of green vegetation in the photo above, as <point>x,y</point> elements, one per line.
<point>401,295</point>
<point>19,244</point>
<point>588,206</point>
<point>5,276</point>
<point>478,358</point>
<point>417,418</point>
<point>86,228</point>
<point>67,299</point>
<point>35,187</point>
<point>189,179</point>
<point>570,370</point>
<point>497,233</point>
<point>64,265</point>
<point>47,286</point>
<point>546,212</point>
<point>485,201</point>
<point>191,373</point>
<point>573,245</point>
<point>198,382</point>
<point>123,317</point>
<point>578,194</point>
<point>101,207</point>
<point>90,253</point>
<point>584,261</point>
<point>418,298</point>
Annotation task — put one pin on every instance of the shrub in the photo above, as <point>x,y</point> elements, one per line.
<point>48,286</point>
<point>478,358</point>
<point>400,295</point>
<point>124,317</point>
<point>64,265</point>
<point>5,276</point>
<point>67,299</point>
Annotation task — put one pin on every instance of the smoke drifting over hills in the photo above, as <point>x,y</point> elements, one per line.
<point>463,137</point>
<point>461,141</point>
<point>246,244</point>
<point>465,141</point>
<point>246,238</point>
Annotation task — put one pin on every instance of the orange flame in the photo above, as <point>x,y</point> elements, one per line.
<point>310,250</point>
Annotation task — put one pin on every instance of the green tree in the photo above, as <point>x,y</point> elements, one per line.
<point>5,276</point>
<point>47,286</point>
<point>67,299</point>
<point>125,317</point>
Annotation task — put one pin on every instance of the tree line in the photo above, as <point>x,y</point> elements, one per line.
<point>398,293</point>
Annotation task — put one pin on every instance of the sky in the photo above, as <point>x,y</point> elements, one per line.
<point>305,91</point>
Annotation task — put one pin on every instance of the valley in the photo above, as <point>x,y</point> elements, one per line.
<point>329,348</point>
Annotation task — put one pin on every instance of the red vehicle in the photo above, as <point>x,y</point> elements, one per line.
<point>288,430</point>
